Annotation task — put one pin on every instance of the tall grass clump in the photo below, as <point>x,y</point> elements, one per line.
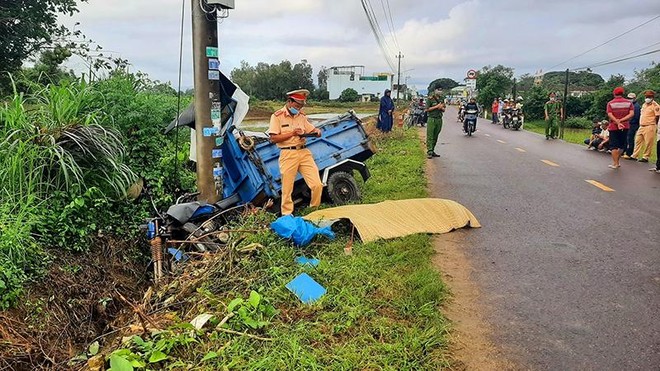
<point>51,143</point>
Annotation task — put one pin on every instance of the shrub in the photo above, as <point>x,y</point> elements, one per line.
<point>578,123</point>
<point>349,95</point>
<point>60,143</point>
<point>11,283</point>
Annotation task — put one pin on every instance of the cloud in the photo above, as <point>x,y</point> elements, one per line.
<point>437,39</point>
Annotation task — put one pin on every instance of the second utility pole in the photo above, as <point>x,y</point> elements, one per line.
<point>398,81</point>
<point>207,85</point>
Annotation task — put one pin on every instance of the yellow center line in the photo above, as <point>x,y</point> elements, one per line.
<point>547,162</point>
<point>520,149</point>
<point>501,141</point>
<point>599,185</point>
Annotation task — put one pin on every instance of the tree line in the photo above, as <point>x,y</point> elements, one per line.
<point>271,81</point>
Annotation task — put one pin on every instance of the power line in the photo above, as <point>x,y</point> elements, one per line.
<point>390,22</point>
<point>378,29</point>
<point>625,55</point>
<point>616,60</point>
<point>177,182</point>
<point>638,50</point>
<point>377,35</point>
<point>606,42</point>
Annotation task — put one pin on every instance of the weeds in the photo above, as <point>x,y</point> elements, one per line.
<point>381,310</point>
<point>52,148</point>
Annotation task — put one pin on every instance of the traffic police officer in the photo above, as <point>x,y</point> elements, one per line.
<point>287,125</point>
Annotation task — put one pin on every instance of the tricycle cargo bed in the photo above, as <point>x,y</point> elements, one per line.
<point>251,161</point>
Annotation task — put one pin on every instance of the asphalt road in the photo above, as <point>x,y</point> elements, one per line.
<point>569,272</point>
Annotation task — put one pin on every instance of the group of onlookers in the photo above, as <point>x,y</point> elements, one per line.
<point>600,137</point>
<point>631,129</point>
<point>498,107</point>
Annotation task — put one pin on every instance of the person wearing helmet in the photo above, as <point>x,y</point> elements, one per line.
<point>471,106</point>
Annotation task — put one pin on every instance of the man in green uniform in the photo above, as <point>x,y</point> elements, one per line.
<point>435,108</point>
<point>553,113</point>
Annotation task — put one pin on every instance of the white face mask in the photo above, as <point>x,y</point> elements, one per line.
<point>648,100</point>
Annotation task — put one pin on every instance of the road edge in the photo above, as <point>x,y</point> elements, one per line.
<point>471,347</point>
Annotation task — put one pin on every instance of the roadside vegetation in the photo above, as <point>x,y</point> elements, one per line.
<point>381,310</point>
<point>70,155</point>
<point>74,286</point>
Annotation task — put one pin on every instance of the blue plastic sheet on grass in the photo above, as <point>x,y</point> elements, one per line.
<point>299,230</point>
<point>306,289</point>
<point>307,261</point>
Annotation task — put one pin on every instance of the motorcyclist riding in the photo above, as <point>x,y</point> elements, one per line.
<point>516,113</point>
<point>471,106</point>
<point>423,116</point>
<point>461,111</point>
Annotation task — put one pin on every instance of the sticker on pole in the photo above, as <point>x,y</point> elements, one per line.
<point>216,153</point>
<point>214,75</point>
<point>209,132</point>
<point>215,114</point>
<point>211,52</point>
<point>214,64</point>
<point>219,141</point>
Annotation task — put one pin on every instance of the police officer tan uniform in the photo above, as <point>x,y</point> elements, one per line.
<point>286,127</point>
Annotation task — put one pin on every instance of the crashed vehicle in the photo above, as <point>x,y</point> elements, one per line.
<point>250,169</point>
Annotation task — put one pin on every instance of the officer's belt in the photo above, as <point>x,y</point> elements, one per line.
<point>302,146</point>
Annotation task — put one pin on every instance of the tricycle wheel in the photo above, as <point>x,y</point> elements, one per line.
<point>342,188</point>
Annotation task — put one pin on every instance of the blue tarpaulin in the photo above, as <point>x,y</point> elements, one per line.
<point>306,289</point>
<point>299,230</point>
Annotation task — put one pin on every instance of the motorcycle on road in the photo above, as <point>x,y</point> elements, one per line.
<point>516,119</point>
<point>470,121</point>
<point>507,118</point>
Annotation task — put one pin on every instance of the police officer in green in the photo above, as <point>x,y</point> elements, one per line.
<point>553,113</point>
<point>435,109</point>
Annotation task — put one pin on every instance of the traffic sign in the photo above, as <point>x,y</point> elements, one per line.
<point>471,74</point>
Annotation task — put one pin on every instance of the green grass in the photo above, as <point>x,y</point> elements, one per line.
<point>381,310</point>
<point>576,136</point>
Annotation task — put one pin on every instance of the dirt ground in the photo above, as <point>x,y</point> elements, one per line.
<point>471,348</point>
<point>82,298</point>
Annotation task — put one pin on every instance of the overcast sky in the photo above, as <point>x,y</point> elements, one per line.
<point>438,38</point>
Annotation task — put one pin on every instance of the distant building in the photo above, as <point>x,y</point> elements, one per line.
<point>458,93</point>
<point>341,78</point>
<point>580,92</point>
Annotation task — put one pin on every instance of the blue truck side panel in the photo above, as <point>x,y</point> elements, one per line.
<point>254,173</point>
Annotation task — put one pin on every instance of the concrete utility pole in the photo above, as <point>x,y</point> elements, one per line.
<point>398,81</point>
<point>205,34</point>
<point>563,117</point>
